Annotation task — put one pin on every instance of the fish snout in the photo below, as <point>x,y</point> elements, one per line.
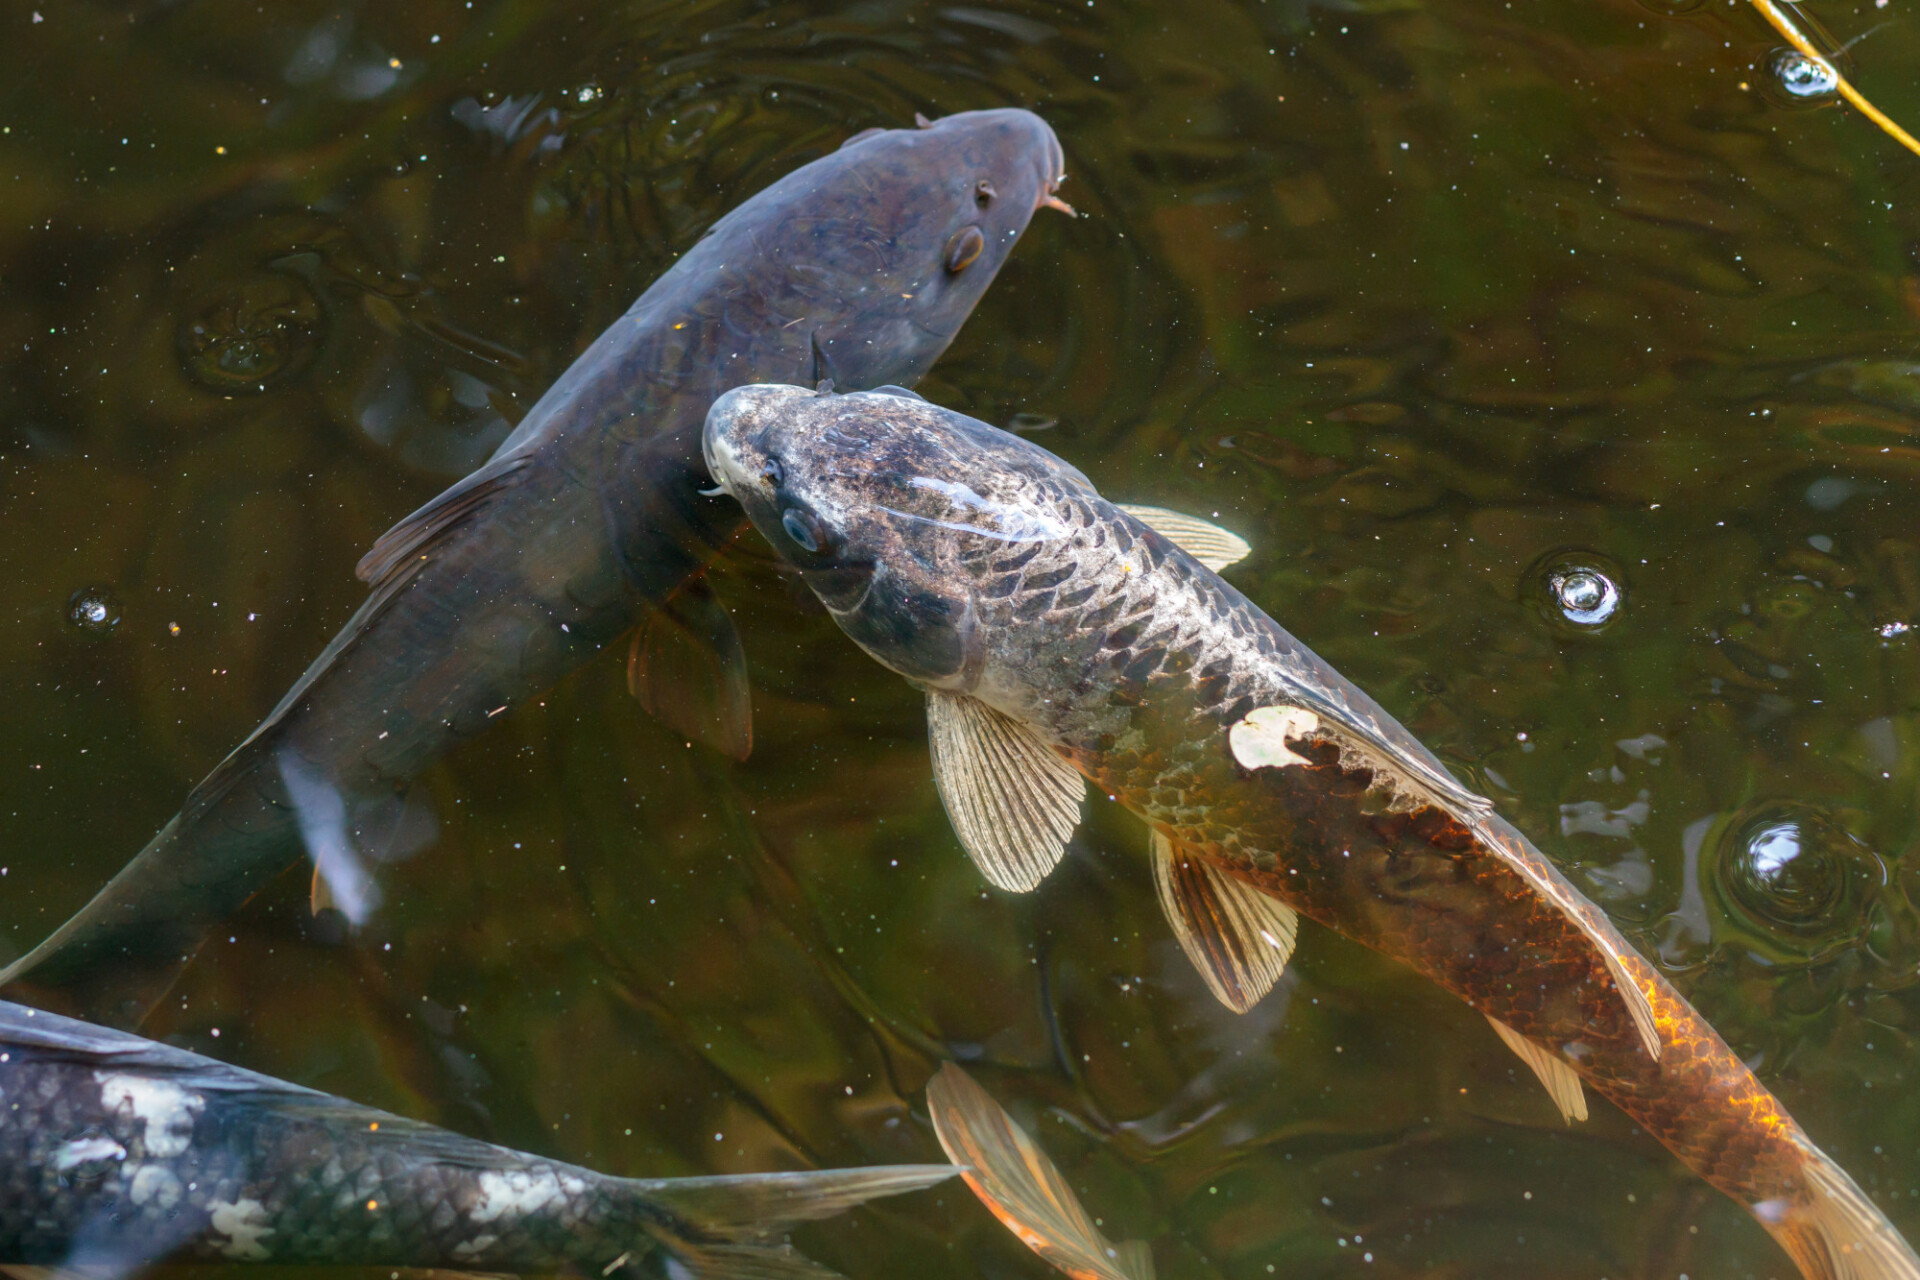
<point>734,422</point>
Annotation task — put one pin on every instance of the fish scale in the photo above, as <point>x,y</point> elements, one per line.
<point>1109,646</point>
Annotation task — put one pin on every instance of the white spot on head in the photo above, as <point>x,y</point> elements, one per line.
<point>154,1184</point>
<point>165,1109</point>
<point>518,1192</point>
<point>1260,740</point>
<point>71,1155</point>
<point>244,1224</point>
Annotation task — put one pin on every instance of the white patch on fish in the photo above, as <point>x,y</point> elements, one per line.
<point>1016,523</point>
<point>244,1223</point>
<point>469,1250</point>
<point>519,1192</point>
<point>165,1109</point>
<point>155,1184</point>
<point>69,1156</point>
<point>1260,740</point>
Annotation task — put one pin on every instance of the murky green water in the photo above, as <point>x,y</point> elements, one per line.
<point>1436,302</point>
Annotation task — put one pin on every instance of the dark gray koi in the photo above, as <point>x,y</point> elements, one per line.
<point>859,267</point>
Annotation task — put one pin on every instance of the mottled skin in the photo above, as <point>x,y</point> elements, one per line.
<point>118,1151</point>
<point>974,562</point>
<point>588,515</point>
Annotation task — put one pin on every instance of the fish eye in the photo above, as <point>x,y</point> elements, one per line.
<point>806,532</point>
<point>983,193</point>
<point>963,249</point>
<point>772,472</point>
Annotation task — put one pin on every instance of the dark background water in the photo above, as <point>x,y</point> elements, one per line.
<point>1431,301</point>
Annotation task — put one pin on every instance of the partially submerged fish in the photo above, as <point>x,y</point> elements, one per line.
<point>1015,1180</point>
<point>1058,636</point>
<point>116,1152</point>
<point>859,267</point>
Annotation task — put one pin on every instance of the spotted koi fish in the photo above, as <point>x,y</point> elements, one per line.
<point>116,1152</point>
<point>1059,637</point>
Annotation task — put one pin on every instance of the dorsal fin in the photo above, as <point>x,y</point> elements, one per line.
<point>1013,802</point>
<point>1563,1084</point>
<point>688,669</point>
<point>413,538</point>
<point>1208,543</point>
<point>1237,937</point>
<point>1013,1178</point>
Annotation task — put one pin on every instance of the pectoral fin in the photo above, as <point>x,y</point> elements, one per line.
<point>1563,1085</point>
<point>1013,802</point>
<point>1237,937</point>
<point>1208,543</point>
<point>688,669</point>
<point>1013,1178</point>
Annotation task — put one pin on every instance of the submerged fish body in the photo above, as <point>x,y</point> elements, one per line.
<point>1058,637</point>
<point>117,1151</point>
<point>859,267</point>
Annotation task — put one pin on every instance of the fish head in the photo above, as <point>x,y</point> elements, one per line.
<point>936,209</point>
<point>894,511</point>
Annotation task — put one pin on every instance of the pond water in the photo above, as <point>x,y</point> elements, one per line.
<point>1558,358</point>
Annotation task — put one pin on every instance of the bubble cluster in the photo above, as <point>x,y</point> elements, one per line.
<point>93,611</point>
<point>1802,77</point>
<point>254,333</point>
<point>1578,591</point>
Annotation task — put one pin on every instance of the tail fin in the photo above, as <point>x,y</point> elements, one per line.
<point>727,1228</point>
<point>1838,1234</point>
<point>1014,1179</point>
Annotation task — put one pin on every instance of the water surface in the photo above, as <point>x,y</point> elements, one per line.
<point>1473,317</point>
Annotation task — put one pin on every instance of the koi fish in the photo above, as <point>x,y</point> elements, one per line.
<point>1058,637</point>
<point>117,1152</point>
<point>587,524</point>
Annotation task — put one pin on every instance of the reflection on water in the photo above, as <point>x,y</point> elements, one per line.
<point>1413,295</point>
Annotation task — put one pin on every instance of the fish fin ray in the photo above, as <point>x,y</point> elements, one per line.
<point>1239,938</point>
<point>744,1206</point>
<point>1563,1084</point>
<point>413,538</point>
<point>1205,541</point>
<point>748,1262</point>
<point>1013,802</point>
<point>1840,1234</point>
<point>688,668</point>
<point>1021,1186</point>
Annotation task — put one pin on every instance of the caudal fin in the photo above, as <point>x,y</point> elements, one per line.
<point>1014,1179</point>
<point>1838,1233</point>
<point>729,1228</point>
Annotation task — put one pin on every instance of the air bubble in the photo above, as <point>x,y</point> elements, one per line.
<point>1802,78</point>
<point>1795,883</point>
<point>1579,591</point>
<point>252,334</point>
<point>94,611</point>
